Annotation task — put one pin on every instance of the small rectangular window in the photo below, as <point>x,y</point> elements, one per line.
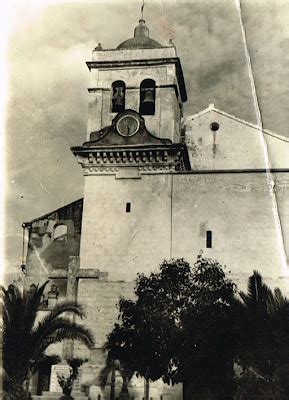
<point>127,209</point>
<point>209,239</point>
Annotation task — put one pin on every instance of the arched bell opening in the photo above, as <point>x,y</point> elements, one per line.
<point>117,96</point>
<point>147,97</point>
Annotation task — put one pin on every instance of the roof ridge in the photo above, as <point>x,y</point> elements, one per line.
<point>212,107</point>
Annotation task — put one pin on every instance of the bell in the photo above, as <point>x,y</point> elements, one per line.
<point>118,97</point>
<point>148,96</point>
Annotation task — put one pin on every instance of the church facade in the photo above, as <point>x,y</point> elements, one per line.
<point>158,186</point>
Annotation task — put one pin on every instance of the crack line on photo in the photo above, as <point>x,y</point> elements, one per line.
<point>270,178</point>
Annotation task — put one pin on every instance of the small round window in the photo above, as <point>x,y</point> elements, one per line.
<point>214,126</point>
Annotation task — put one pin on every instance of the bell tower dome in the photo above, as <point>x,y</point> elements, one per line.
<point>141,39</point>
<point>140,75</point>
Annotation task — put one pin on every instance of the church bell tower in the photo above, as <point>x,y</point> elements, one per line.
<point>141,75</point>
<point>134,143</point>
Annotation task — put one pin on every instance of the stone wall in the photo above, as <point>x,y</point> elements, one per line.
<point>100,299</point>
<point>170,215</point>
<point>124,243</point>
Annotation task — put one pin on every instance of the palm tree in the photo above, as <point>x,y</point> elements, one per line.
<point>259,294</point>
<point>266,331</point>
<point>25,338</point>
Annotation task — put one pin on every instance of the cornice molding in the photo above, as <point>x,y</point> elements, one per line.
<point>145,63</point>
<point>108,89</point>
<point>152,158</point>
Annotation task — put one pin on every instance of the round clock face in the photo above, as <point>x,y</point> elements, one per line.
<point>127,125</point>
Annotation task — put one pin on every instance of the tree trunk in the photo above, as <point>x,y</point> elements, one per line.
<point>124,394</point>
<point>27,384</point>
<point>147,389</point>
<point>19,393</point>
<point>112,385</point>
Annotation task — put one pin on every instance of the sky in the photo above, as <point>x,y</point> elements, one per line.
<point>46,80</point>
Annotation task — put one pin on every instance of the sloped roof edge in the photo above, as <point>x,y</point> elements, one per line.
<point>44,216</point>
<point>212,107</point>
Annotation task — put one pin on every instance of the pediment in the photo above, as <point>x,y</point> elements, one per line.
<point>115,134</point>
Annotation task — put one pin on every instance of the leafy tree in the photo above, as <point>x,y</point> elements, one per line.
<point>180,328</point>
<point>265,344</point>
<point>25,339</point>
<point>66,381</point>
<point>209,338</point>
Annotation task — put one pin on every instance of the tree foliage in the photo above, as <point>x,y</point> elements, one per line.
<point>180,327</point>
<point>25,339</point>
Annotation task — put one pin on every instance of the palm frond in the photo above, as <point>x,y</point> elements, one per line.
<point>280,299</point>
<point>32,301</point>
<point>259,294</point>
<point>60,308</point>
<point>63,307</point>
<point>12,303</point>
<point>57,331</point>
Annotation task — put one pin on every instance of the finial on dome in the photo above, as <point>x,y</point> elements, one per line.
<point>141,30</point>
<point>142,7</point>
